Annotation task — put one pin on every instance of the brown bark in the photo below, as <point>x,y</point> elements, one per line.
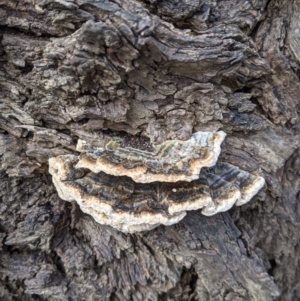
<point>149,71</point>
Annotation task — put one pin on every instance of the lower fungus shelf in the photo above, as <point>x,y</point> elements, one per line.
<point>131,207</point>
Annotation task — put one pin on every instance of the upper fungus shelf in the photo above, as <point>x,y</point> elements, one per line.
<point>171,161</point>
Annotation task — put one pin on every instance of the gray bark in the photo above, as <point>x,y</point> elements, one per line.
<point>146,71</point>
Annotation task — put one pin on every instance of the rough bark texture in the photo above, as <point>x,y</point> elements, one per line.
<point>157,70</point>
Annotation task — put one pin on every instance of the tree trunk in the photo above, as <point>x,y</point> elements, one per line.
<point>143,72</point>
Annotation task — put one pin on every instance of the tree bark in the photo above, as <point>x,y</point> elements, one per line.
<point>147,71</point>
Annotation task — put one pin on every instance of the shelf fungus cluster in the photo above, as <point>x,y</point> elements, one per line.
<point>134,190</point>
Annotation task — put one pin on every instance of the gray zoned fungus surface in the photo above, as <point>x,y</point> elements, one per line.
<point>171,161</point>
<point>130,206</point>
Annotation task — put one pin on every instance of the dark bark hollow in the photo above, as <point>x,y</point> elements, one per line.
<point>142,72</point>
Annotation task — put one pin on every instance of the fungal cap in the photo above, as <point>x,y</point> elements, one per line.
<point>172,161</point>
<point>132,207</point>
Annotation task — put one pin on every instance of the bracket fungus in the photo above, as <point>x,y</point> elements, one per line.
<point>130,204</point>
<point>171,161</point>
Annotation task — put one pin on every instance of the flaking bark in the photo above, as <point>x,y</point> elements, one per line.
<point>140,71</point>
